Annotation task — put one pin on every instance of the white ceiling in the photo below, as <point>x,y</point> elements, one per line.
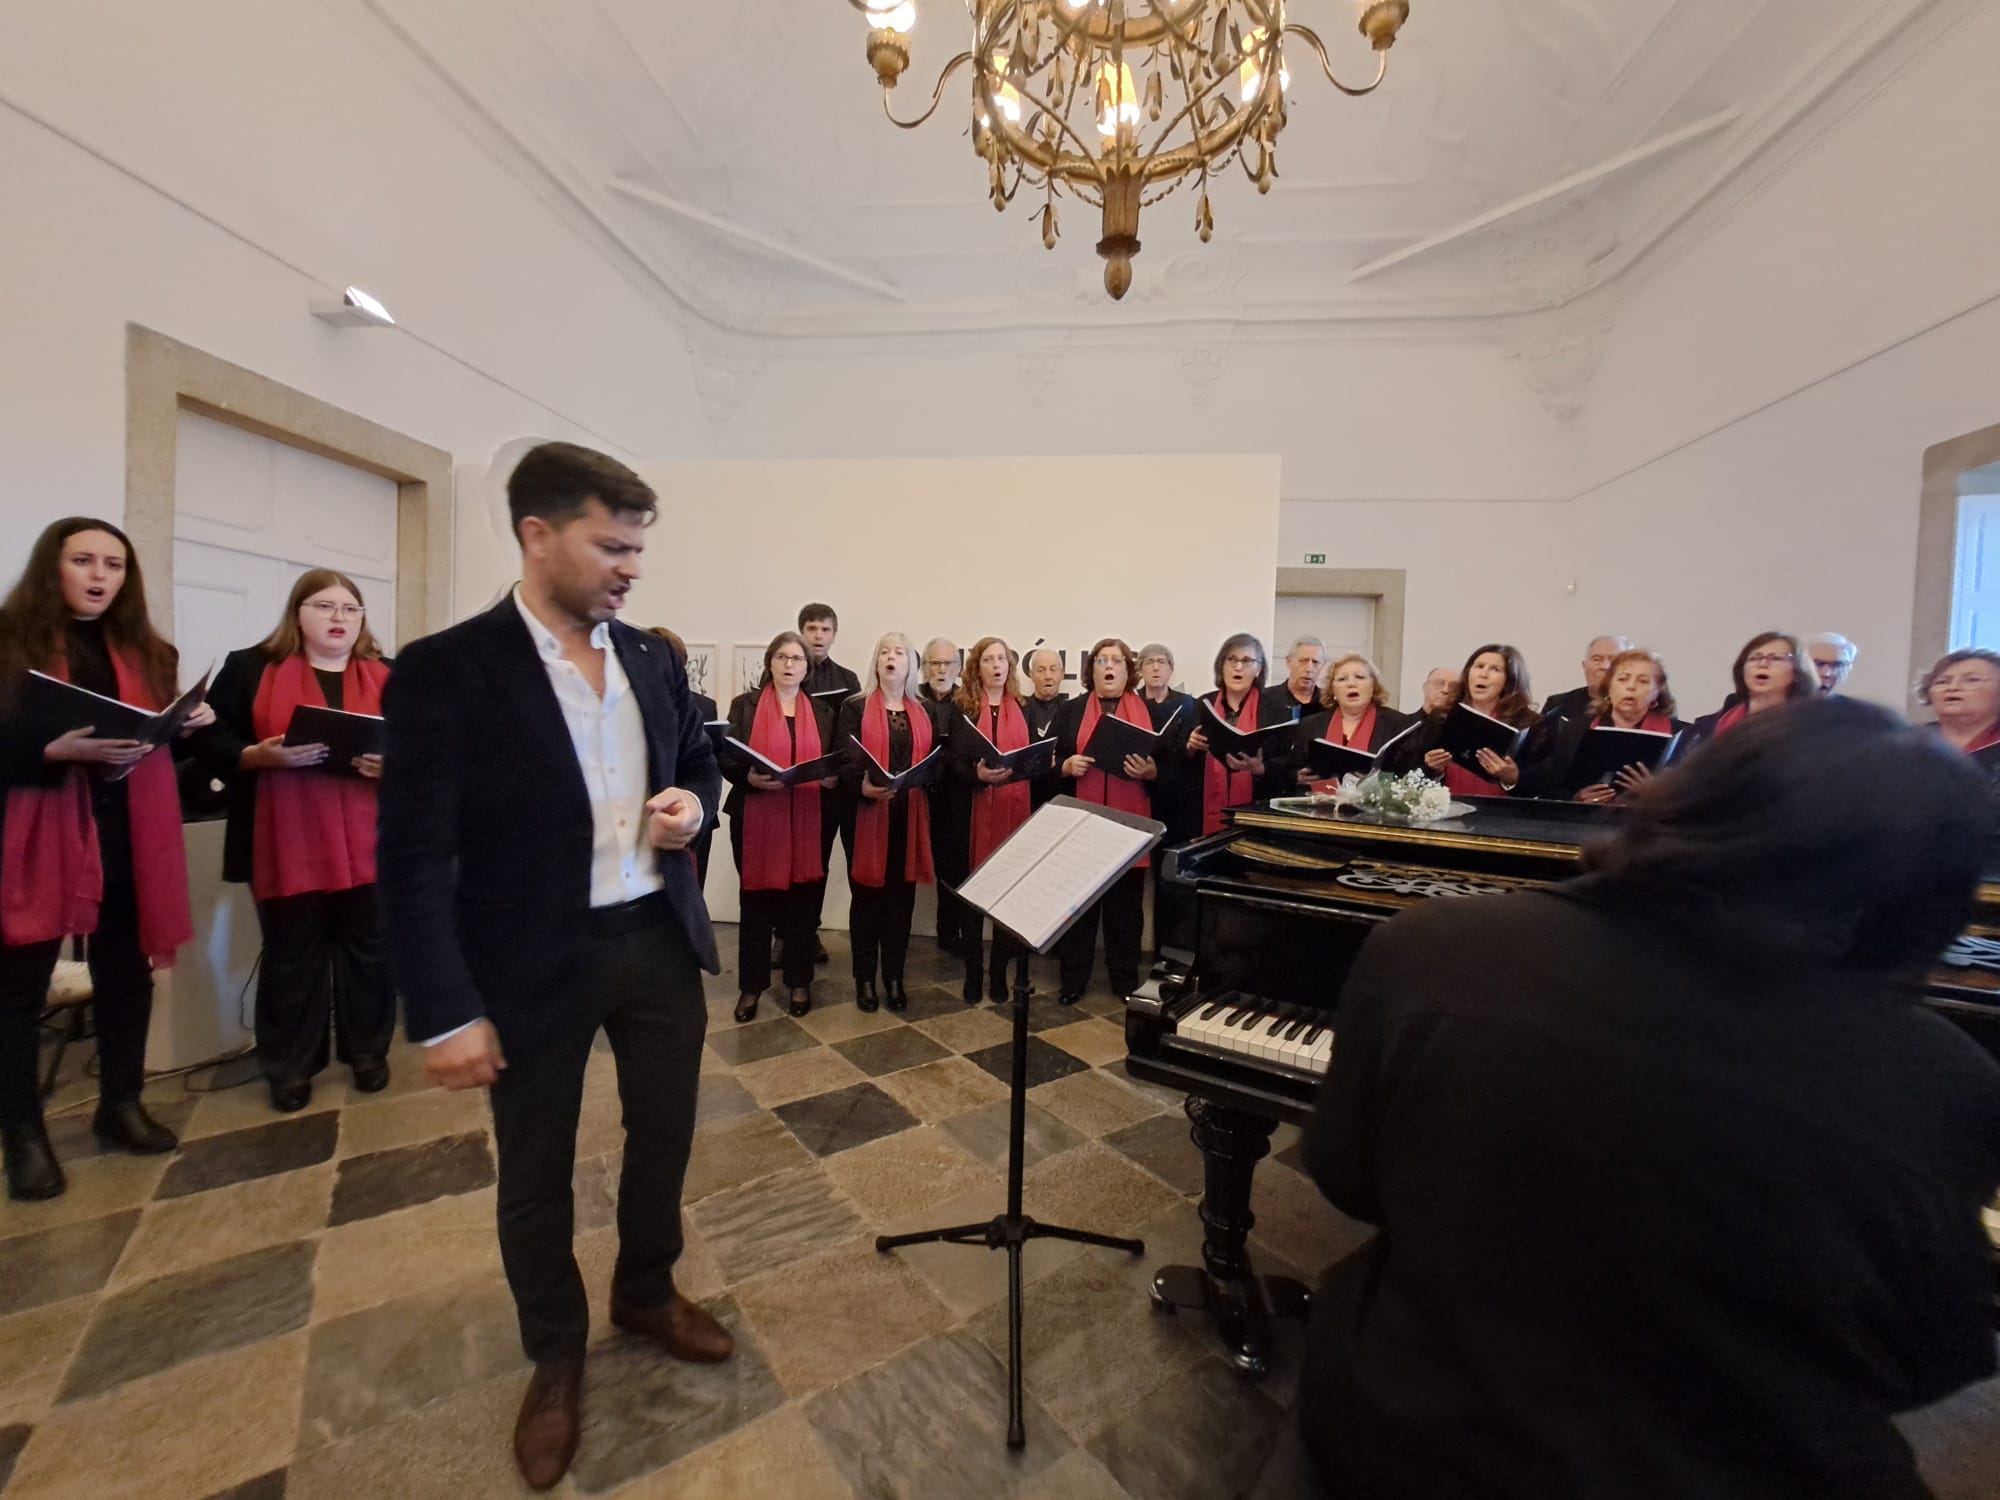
<point>1521,156</point>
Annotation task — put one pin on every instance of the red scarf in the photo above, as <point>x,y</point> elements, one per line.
<point>1364,732</point>
<point>1985,741</point>
<point>871,819</point>
<point>1221,787</point>
<point>1102,787</point>
<point>1732,717</point>
<point>315,829</point>
<point>1656,722</point>
<point>781,829</point>
<point>1470,783</point>
<point>51,876</point>
<point>998,810</point>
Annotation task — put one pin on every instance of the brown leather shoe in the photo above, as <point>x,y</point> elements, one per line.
<point>551,1418</point>
<point>680,1328</point>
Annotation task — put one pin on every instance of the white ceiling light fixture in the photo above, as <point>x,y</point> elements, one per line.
<point>353,308</point>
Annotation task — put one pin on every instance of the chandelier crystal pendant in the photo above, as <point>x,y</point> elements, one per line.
<point>1122,102</point>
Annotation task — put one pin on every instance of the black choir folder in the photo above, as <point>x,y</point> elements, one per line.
<point>1055,865</point>
<point>1467,731</point>
<point>1330,762</point>
<point>924,773</point>
<point>1114,739</point>
<point>49,708</point>
<point>345,735</point>
<point>1607,750</point>
<point>1225,739</point>
<point>816,769</point>
<point>1034,759</point>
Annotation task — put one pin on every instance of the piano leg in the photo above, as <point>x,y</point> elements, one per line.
<point>1242,1302</point>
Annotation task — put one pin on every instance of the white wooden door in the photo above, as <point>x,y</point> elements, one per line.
<point>1975,594</point>
<point>1343,622</point>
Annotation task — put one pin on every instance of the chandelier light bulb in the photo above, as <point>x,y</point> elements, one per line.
<point>893,15</point>
<point>1119,98</point>
<point>1250,78</point>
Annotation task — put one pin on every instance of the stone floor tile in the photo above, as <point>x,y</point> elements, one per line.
<point>423,1115</point>
<point>775,1221</point>
<point>760,1039</point>
<point>1093,1042</point>
<point>939,1090</point>
<point>845,1118</point>
<point>797,1075</point>
<point>195,1429</point>
<point>841,1022</point>
<point>229,1304</point>
<point>882,1052</point>
<point>1095,1188</point>
<point>1045,1063</point>
<point>404,1176</point>
<point>178,1234</point>
<point>248,1105</point>
<point>1094,1102</point>
<point>896,1176</point>
<point>1205,1432</point>
<point>35,1348</point>
<point>968,1029</point>
<point>53,1265</point>
<point>98,1186</point>
<point>775,1457</point>
<point>444,1243</point>
<point>720,1101</point>
<point>833,1315</point>
<point>284,1145</point>
<point>740,1151</point>
<point>1163,1147</point>
<point>984,1132</point>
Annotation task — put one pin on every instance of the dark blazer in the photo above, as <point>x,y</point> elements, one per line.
<point>233,696</point>
<point>1041,724</point>
<point>1551,750</point>
<point>1667,1211</point>
<point>1570,705</point>
<point>1279,695</point>
<point>742,718</point>
<point>485,848</point>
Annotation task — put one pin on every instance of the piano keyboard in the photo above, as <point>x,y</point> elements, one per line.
<point>1244,1028</point>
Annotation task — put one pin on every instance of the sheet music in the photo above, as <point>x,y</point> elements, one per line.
<point>1068,875</point>
<point>1006,866</point>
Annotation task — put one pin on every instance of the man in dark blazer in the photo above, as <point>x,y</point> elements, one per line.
<point>546,771</point>
<point>1597,659</point>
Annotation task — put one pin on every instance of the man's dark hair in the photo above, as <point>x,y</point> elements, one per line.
<point>554,482</point>
<point>810,612</point>
<point>1827,825</point>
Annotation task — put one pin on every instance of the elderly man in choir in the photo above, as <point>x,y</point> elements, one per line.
<point>1833,658</point>
<point>1597,659</point>
<point>940,671</point>
<point>1300,689</point>
<point>1438,688</point>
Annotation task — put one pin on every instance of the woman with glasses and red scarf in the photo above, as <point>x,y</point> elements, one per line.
<point>1771,670</point>
<point>1238,780</point>
<point>302,835</point>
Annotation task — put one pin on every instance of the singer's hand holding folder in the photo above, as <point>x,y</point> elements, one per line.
<point>1607,750</point>
<point>1467,731</point>
<point>1330,762</point>
<point>1114,739</point>
<point>817,769</point>
<point>922,774</point>
<point>346,736</point>
<point>1225,739</point>
<point>49,708</point>
<point>1034,759</point>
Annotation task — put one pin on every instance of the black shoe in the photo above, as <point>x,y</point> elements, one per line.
<point>290,1098</point>
<point>819,952</point>
<point>865,997</point>
<point>1069,997</point>
<point>127,1127</point>
<point>802,1000</point>
<point>898,997</point>
<point>371,1074</point>
<point>32,1169</point>
<point>996,986</point>
<point>746,1008</point>
<point>974,990</point>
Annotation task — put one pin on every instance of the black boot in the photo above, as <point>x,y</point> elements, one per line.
<point>127,1127</point>
<point>290,1098</point>
<point>898,997</point>
<point>996,981</point>
<point>371,1074</point>
<point>32,1168</point>
<point>864,995</point>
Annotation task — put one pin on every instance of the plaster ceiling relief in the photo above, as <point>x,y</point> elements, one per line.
<point>1559,357</point>
<point>1035,375</point>
<point>1518,157</point>
<point>724,372</point>
<point>1201,366</point>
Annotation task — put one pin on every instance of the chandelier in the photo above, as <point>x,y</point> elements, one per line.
<point>1122,102</point>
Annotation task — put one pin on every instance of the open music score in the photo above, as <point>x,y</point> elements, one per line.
<point>1055,865</point>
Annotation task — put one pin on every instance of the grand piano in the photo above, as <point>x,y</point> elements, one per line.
<point>1258,926</point>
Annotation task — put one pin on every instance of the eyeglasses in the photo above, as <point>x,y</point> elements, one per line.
<point>788,659</point>
<point>1765,659</point>
<point>1242,661</point>
<point>326,609</point>
<point>1156,661</point>
<point>1107,661</point>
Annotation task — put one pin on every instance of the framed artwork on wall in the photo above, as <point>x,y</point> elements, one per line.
<point>749,666</point>
<point>702,659</point>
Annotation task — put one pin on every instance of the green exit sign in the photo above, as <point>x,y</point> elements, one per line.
<point>1315,557</point>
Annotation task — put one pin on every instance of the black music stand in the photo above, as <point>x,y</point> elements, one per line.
<point>1013,1229</point>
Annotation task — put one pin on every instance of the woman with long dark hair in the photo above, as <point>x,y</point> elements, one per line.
<point>302,835</point>
<point>773,828</point>
<point>91,843</point>
<point>1495,683</point>
<point>1679,1193</point>
<point>1771,670</point>
<point>995,802</point>
<point>889,854</point>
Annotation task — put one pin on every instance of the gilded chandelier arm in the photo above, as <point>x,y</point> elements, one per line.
<point>1326,65</point>
<point>937,95</point>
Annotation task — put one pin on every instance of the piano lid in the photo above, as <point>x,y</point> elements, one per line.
<point>1543,831</point>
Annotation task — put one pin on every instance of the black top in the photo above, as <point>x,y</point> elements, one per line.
<point>1570,705</point>
<point>743,717</point>
<point>1279,695</point>
<point>332,687</point>
<point>902,744</point>
<point>1042,714</point>
<point>825,676</point>
<point>1664,1212</point>
<point>1551,750</point>
<point>87,656</point>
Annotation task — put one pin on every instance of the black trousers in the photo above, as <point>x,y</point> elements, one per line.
<point>951,855</point>
<point>792,915</point>
<point>322,970</point>
<point>836,816</point>
<point>1124,913</point>
<point>639,981</point>
<point>878,920</point>
<point>1006,949</point>
<point>122,981</point>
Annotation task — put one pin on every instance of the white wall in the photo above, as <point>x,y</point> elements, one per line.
<point>225,162</point>
<point>1171,548</point>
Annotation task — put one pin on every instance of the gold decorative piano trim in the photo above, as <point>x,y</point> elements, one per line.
<point>1432,836</point>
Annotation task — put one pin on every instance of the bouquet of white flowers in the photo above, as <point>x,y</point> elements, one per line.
<point>1413,797</point>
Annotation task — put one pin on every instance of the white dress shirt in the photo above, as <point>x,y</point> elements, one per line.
<point>609,736</point>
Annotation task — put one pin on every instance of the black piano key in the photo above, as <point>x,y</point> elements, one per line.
<point>1213,1010</point>
<point>1292,1031</point>
<point>1313,1035</point>
<point>1239,1017</point>
<point>1278,1024</point>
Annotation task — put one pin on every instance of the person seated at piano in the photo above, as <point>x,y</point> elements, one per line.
<point>889,855</point>
<point>301,835</point>
<point>1772,669</point>
<point>1044,667</point>
<point>1240,700</point>
<point>1356,710</point>
<point>773,828</point>
<point>1963,690</point>
<point>1495,682</point>
<point>1113,678</point>
<point>705,706</point>
<point>1678,1193</point>
<point>1633,694</point>
<point>993,802</point>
